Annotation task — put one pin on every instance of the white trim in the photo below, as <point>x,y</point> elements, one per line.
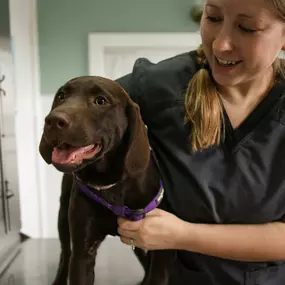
<point>98,42</point>
<point>23,25</point>
<point>50,179</point>
<point>35,65</point>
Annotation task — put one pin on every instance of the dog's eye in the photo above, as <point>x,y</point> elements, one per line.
<point>100,100</point>
<point>60,96</point>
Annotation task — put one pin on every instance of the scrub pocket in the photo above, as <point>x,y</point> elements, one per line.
<point>270,275</point>
<point>182,276</point>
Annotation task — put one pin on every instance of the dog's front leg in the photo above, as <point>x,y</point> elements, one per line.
<point>159,268</point>
<point>86,238</point>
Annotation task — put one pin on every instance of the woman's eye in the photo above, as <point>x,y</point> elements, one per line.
<point>247,30</point>
<point>100,100</point>
<point>217,19</point>
<point>212,19</point>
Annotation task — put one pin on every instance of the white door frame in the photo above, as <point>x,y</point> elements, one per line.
<point>98,43</point>
<point>23,30</point>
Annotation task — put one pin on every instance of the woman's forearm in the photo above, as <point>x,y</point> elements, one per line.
<point>262,242</point>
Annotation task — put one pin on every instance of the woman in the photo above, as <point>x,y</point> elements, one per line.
<point>222,156</point>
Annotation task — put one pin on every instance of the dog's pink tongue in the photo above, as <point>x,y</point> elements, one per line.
<point>73,155</point>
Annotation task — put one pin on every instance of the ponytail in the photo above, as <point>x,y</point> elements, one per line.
<point>203,106</point>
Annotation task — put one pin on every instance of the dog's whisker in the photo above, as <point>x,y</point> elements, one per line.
<point>46,139</point>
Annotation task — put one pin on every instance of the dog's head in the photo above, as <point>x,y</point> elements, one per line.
<point>89,117</point>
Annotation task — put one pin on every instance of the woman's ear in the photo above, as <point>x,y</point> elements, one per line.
<point>283,38</point>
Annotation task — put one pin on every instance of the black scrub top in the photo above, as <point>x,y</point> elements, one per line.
<point>241,181</point>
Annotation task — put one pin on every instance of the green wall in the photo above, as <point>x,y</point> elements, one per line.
<point>4,18</point>
<point>64,26</point>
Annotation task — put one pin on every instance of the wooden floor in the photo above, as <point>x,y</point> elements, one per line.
<point>36,264</point>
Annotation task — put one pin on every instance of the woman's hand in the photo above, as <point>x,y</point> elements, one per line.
<point>162,230</point>
<point>158,230</point>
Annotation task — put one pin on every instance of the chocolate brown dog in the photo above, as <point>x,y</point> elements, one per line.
<point>94,134</point>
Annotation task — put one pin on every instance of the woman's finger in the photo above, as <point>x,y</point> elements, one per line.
<point>128,225</point>
<point>127,233</point>
<point>128,241</point>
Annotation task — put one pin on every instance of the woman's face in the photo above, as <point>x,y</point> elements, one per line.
<point>241,39</point>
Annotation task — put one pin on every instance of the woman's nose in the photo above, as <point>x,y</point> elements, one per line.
<point>223,40</point>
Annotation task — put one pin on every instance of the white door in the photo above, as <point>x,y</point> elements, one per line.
<point>119,62</point>
<point>113,55</point>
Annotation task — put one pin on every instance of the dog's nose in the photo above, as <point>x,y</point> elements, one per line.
<point>59,121</point>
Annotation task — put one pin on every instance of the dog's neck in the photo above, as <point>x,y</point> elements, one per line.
<point>96,187</point>
<point>132,197</point>
<point>120,189</point>
<point>106,171</point>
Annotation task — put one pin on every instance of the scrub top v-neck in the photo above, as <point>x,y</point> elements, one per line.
<point>261,110</point>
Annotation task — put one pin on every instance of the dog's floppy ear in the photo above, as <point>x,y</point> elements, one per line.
<point>45,150</point>
<point>138,152</point>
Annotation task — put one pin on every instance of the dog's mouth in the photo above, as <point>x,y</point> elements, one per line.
<point>67,154</point>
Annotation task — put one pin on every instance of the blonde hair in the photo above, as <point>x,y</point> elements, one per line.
<point>279,64</point>
<point>203,106</point>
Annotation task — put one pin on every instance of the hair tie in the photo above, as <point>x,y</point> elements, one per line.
<point>206,66</point>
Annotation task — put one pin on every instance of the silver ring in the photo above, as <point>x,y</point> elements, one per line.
<point>132,244</point>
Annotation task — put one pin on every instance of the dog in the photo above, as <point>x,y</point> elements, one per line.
<point>95,135</point>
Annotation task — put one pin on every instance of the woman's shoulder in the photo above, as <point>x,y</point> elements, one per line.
<point>172,72</point>
<point>154,82</point>
<point>177,63</point>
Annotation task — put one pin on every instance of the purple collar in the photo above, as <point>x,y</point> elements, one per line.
<point>123,211</point>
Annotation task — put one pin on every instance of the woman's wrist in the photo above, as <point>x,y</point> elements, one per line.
<point>186,236</point>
